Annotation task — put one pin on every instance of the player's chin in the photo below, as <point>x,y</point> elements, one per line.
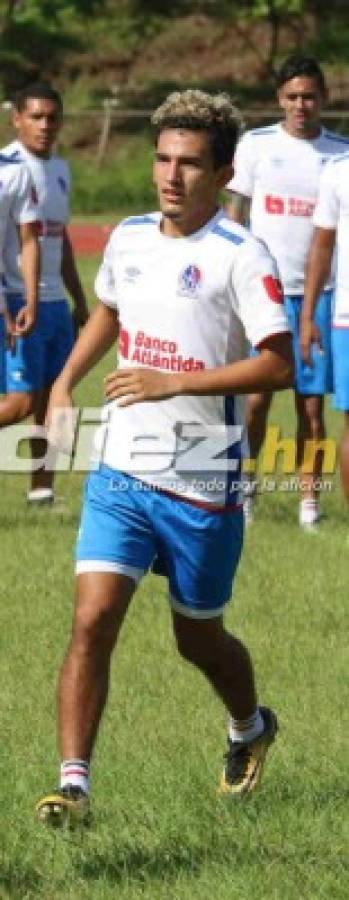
<point>171,209</point>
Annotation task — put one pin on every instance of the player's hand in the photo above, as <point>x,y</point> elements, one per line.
<point>61,419</point>
<point>24,321</point>
<point>129,386</point>
<point>10,338</point>
<point>309,335</point>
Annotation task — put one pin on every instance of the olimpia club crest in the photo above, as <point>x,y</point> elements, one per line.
<point>189,281</point>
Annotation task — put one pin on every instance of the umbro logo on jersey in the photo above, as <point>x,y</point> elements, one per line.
<point>189,281</point>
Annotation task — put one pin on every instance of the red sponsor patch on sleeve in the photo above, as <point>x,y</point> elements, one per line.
<point>273,288</point>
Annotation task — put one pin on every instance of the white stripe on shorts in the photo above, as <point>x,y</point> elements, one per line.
<point>102,565</point>
<point>191,613</point>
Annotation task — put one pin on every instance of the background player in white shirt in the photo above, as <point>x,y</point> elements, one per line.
<point>31,370</point>
<point>180,289</point>
<point>277,172</point>
<point>17,205</point>
<point>331,220</point>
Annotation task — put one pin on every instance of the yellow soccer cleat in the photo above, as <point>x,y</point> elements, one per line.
<point>244,762</point>
<point>65,808</point>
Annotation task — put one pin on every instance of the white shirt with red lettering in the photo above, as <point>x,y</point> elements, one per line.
<point>51,178</point>
<point>332,211</point>
<point>186,304</point>
<point>281,174</point>
<point>17,204</point>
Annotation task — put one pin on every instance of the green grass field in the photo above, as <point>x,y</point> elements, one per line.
<point>159,829</point>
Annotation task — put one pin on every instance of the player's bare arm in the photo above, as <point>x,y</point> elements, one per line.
<point>237,207</point>
<point>317,271</point>
<point>30,265</point>
<point>72,282</point>
<point>100,332</point>
<point>272,369</point>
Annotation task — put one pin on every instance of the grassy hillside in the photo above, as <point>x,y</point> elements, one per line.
<point>135,53</point>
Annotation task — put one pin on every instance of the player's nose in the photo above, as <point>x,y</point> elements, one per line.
<point>173,170</point>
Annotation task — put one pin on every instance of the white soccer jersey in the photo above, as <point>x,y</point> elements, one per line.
<point>185,304</point>
<point>52,183</point>
<point>332,211</point>
<point>17,204</point>
<point>280,174</point>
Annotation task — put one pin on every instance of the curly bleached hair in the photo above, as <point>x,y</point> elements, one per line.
<point>198,111</point>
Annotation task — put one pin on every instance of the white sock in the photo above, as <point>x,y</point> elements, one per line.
<point>308,511</point>
<point>244,730</point>
<point>75,772</point>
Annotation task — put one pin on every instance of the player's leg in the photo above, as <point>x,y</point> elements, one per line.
<point>257,410</point>
<point>21,370</point>
<point>57,337</point>
<point>226,663</point>
<point>310,432</point>
<point>14,407</point>
<point>200,551</point>
<point>340,346</point>
<point>311,385</point>
<point>222,658</point>
<point>344,456</point>
<point>41,488</point>
<point>102,599</point>
<point>115,547</point>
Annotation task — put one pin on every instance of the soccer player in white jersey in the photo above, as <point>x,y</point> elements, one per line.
<point>331,220</point>
<point>18,206</point>
<point>37,360</point>
<point>180,289</point>
<point>276,181</point>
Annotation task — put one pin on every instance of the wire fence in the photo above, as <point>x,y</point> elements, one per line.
<point>108,119</point>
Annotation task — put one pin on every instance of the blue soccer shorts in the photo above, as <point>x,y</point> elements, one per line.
<point>340,350</point>
<point>317,378</point>
<point>2,354</point>
<point>125,524</point>
<point>36,360</point>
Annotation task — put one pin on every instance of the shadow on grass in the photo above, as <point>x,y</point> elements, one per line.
<point>41,516</point>
<point>141,864</point>
<point>19,881</point>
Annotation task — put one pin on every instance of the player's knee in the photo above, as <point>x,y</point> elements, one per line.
<point>17,407</point>
<point>311,418</point>
<point>93,629</point>
<point>258,405</point>
<point>198,651</point>
<point>313,425</point>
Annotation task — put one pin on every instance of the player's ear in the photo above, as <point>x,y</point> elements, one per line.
<point>225,174</point>
<point>281,98</point>
<point>15,116</point>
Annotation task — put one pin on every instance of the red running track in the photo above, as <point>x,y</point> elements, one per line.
<point>89,239</point>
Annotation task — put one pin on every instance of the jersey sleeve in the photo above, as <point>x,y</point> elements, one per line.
<point>24,206</point>
<point>105,283</point>
<point>258,294</point>
<point>243,178</point>
<point>326,214</point>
